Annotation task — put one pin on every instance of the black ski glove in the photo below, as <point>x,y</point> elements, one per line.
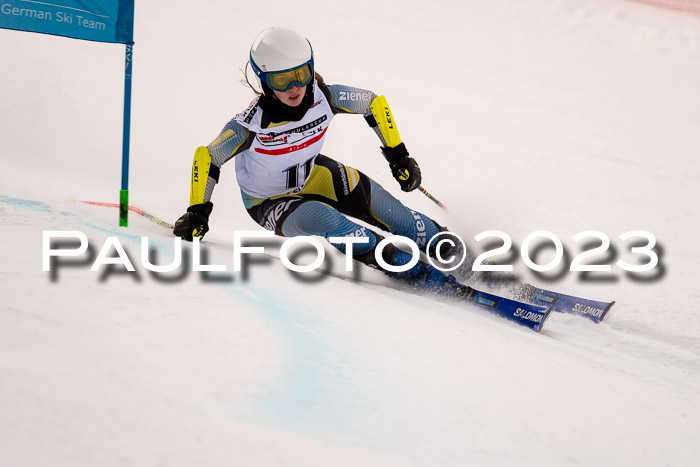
<point>404,169</point>
<point>195,222</point>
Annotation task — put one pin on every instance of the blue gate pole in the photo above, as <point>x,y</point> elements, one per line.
<point>124,192</point>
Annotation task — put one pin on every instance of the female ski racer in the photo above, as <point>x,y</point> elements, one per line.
<point>289,187</point>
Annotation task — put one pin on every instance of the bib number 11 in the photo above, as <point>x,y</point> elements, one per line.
<point>295,171</point>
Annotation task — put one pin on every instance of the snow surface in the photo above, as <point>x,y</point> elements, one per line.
<point>551,115</point>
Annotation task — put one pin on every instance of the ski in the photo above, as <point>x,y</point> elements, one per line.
<point>531,315</point>
<point>506,283</point>
<point>594,310</point>
<point>138,211</point>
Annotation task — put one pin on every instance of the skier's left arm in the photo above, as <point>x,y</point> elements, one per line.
<point>375,109</point>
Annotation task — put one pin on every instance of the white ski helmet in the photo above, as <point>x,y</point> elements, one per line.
<point>281,58</point>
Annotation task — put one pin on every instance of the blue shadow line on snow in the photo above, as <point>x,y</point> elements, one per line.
<point>309,397</point>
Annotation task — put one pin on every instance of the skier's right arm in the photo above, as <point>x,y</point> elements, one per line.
<point>375,109</point>
<point>206,167</point>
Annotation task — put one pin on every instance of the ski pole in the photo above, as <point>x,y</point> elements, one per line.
<point>141,212</point>
<point>432,198</point>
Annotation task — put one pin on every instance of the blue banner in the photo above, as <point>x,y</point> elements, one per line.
<point>92,20</point>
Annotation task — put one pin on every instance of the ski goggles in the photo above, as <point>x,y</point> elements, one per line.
<point>283,80</point>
